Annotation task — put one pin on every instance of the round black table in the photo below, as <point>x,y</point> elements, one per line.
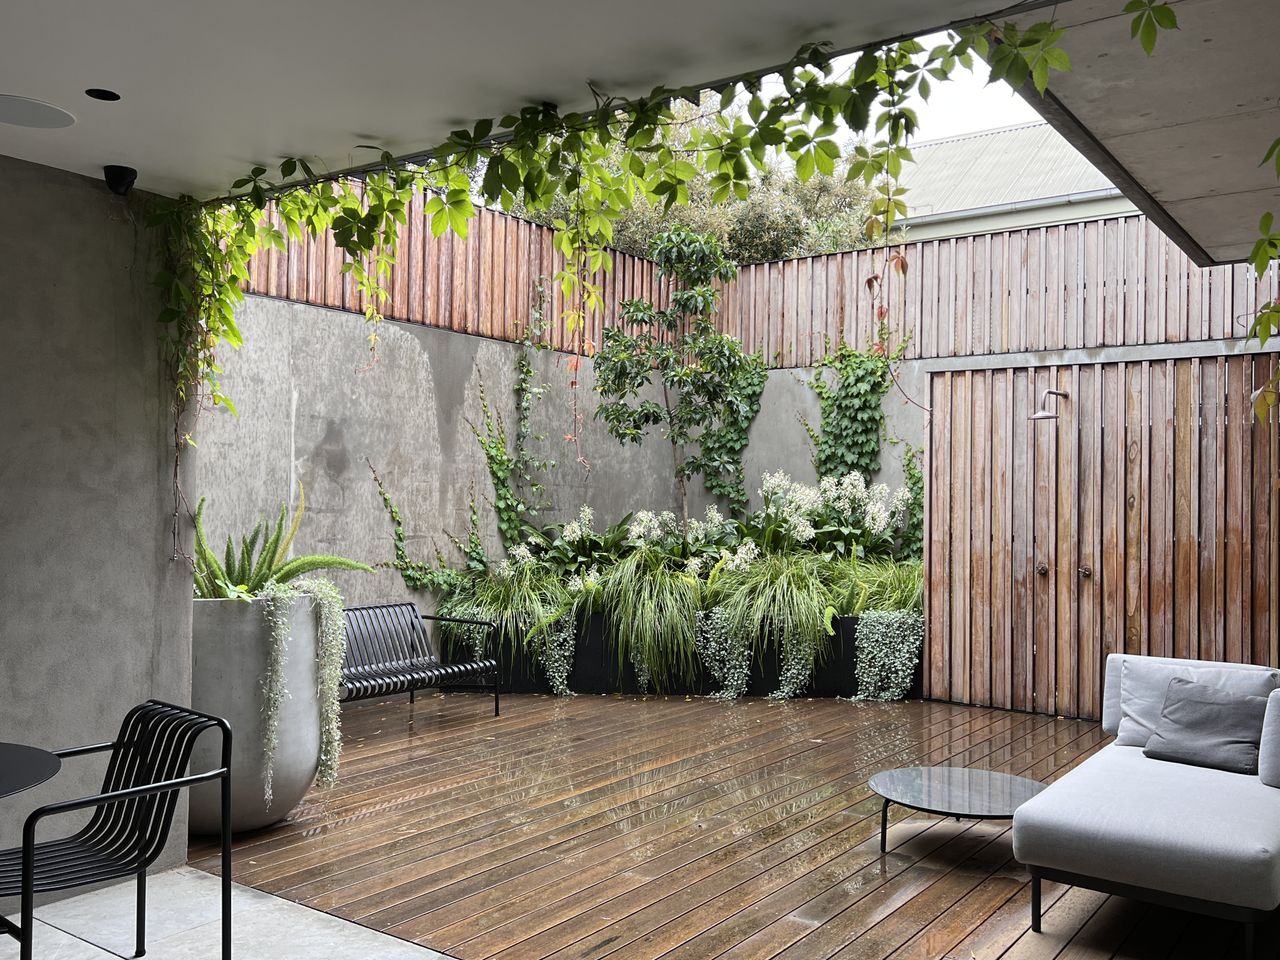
<point>23,767</point>
<point>961,792</point>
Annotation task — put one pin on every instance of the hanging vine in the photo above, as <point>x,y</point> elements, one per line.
<point>331,644</point>
<point>602,159</point>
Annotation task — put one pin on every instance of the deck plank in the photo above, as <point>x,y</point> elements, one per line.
<point>686,829</point>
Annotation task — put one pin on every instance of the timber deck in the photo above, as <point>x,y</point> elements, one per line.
<point>595,827</point>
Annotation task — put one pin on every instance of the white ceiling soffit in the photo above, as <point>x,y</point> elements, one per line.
<point>1181,132</point>
<point>210,88</point>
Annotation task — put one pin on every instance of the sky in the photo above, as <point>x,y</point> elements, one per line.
<point>965,104</point>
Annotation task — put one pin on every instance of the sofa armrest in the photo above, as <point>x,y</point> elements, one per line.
<point>1269,749</point>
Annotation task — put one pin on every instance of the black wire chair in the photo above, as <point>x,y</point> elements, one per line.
<point>130,822</point>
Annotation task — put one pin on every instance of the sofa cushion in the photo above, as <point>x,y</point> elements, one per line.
<point>1207,727</point>
<point>1189,831</point>
<point>1145,681</point>
<point>1269,748</point>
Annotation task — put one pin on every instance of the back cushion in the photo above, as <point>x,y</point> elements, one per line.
<point>1208,727</point>
<point>1145,682</point>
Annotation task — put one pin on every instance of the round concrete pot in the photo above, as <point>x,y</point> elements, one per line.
<point>230,643</point>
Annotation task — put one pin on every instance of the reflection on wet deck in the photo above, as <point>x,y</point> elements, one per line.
<point>635,828</point>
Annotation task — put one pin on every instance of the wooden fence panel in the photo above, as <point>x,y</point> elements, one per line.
<point>1143,519</point>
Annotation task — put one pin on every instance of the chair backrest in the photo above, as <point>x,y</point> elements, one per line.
<point>385,633</point>
<point>154,745</point>
<point>1209,671</point>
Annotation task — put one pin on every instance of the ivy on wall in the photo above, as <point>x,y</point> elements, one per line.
<point>850,385</point>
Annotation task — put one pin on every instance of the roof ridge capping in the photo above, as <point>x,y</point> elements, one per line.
<point>976,134</point>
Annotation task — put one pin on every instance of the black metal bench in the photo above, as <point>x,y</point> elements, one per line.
<point>389,652</point>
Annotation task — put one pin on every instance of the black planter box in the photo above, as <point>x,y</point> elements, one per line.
<point>595,668</point>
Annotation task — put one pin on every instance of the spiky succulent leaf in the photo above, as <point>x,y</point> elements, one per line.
<point>283,550</point>
<point>309,564</point>
<point>265,568</point>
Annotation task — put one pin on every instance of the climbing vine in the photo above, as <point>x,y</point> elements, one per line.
<point>710,387</point>
<point>911,543</point>
<point>513,469</point>
<point>601,159</point>
<point>850,385</point>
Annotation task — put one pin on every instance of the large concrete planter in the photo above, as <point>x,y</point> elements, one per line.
<point>230,654</point>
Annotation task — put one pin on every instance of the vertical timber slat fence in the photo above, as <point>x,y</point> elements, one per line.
<point>1142,520</point>
<point>1155,478</point>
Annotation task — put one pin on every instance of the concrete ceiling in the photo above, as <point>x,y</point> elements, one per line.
<point>1181,132</point>
<point>210,88</point>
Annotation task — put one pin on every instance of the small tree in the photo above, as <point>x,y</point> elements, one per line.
<point>710,387</point>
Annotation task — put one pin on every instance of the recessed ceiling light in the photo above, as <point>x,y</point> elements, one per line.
<point>98,93</point>
<point>25,112</point>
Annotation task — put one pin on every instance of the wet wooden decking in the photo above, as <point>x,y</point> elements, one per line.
<point>629,828</point>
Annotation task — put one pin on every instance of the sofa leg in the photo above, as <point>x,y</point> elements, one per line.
<point>1035,904</point>
<point>1250,940</point>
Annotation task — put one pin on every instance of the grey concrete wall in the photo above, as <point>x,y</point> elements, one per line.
<point>313,408</point>
<point>96,614</point>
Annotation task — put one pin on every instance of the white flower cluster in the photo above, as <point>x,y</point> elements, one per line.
<point>746,554</point>
<point>796,502</point>
<point>649,527</point>
<point>700,531</point>
<point>844,494</point>
<point>581,582</point>
<point>693,566</point>
<point>521,554</point>
<point>577,529</point>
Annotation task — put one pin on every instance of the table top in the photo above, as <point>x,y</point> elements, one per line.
<point>23,767</point>
<point>956,791</point>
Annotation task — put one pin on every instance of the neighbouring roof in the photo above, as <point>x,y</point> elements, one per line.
<point>992,168</point>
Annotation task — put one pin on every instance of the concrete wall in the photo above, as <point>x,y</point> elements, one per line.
<point>313,408</point>
<point>96,613</point>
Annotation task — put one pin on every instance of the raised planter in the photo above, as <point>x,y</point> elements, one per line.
<point>230,642</point>
<point>595,669</point>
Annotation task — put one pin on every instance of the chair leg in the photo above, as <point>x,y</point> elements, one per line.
<point>142,915</point>
<point>26,940</point>
<point>226,867</point>
<point>1250,940</point>
<point>1035,904</point>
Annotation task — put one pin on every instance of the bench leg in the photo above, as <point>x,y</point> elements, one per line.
<point>496,711</point>
<point>1035,904</point>
<point>412,695</point>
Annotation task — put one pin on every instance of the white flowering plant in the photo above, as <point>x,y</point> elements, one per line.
<point>841,517</point>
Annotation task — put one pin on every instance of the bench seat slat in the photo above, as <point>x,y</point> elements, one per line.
<point>389,652</point>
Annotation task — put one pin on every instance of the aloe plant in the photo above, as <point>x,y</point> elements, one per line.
<point>260,559</point>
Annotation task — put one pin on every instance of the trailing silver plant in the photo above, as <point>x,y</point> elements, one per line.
<point>726,654</point>
<point>887,644</point>
<point>799,654</point>
<point>278,600</point>
<point>554,648</point>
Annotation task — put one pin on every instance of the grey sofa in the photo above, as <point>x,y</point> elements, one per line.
<point>1183,836</point>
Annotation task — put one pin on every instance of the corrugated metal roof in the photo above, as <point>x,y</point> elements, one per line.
<point>1031,161</point>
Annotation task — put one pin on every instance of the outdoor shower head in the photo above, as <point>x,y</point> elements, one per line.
<point>1043,412</point>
